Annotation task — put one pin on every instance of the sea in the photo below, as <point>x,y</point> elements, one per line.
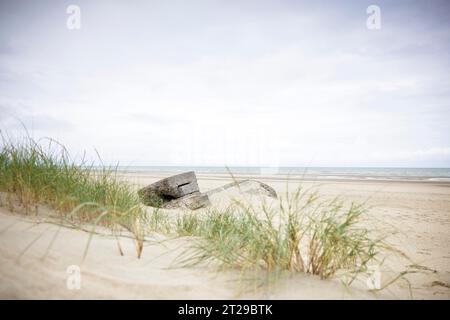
<point>320,173</point>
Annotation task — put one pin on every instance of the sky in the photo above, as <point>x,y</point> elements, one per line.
<point>236,83</point>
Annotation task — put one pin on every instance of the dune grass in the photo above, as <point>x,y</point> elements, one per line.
<point>301,234</point>
<point>42,173</point>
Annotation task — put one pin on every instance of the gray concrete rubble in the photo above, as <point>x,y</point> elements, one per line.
<point>182,191</point>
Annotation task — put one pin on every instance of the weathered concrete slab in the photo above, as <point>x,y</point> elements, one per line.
<point>177,191</point>
<point>181,191</point>
<point>192,201</point>
<point>247,186</point>
<point>170,188</point>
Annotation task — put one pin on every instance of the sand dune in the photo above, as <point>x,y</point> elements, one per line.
<point>415,215</point>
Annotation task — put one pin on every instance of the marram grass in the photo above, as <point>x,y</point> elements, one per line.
<point>43,173</point>
<point>302,234</point>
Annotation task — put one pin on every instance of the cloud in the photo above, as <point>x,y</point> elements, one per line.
<point>18,116</point>
<point>235,82</point>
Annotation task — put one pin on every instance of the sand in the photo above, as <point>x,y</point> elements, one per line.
<point>415,216</point>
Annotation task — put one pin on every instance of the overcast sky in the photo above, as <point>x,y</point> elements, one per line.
<point>279,83</point>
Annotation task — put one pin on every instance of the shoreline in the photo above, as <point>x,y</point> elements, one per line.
<point>284,178</point>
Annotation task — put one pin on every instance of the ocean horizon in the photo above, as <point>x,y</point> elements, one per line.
<point>368,173</point>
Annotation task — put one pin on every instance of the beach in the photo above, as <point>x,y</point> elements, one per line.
<point>413,215</point>
<point>225,150</point>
